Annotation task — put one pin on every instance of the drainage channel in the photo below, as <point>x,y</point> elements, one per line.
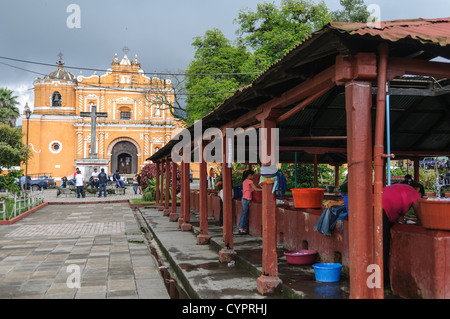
<point>173,284</point>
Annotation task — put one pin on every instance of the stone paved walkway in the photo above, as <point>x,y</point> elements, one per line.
<point>44,255</point>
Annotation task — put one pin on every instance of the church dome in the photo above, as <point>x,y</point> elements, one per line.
<point>60,73</point>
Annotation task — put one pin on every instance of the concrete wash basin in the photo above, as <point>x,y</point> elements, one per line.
<point>435,213</point>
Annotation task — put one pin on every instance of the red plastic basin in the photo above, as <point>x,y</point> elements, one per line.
<point>300,257</point>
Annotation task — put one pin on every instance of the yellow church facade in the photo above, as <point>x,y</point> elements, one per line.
<point>138,122</point>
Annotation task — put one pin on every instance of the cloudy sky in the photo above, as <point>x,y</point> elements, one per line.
<point>159,32</point>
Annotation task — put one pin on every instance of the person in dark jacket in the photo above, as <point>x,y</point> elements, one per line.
<point>102,180</point>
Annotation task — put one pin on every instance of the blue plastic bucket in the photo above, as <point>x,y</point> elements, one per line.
<point>345,197</point>
<point>327,272</point>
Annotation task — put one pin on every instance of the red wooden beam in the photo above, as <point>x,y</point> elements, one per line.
<point>358,96</point>
<point>401,66</point>
<point>269,280</point>
<point>182,201</point>
<point>304,90</point>
<point>157,184</point>
<point>173,214</point>
<point>203,238</point>
<point>161,203</point>
<point>186,226</point>
<point>379,167</point>
<point>166,210</point>
<point>227,253</point>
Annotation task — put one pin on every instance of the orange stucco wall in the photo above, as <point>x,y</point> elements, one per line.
<point>58,135</point>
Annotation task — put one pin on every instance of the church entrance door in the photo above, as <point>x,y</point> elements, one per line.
<point>124,158</point>
<point>124,166</point>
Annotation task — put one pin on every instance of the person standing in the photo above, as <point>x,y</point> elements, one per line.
<point>397,201</point>
<point>102,180</point>
<point>23,182</point>
<point>135,183</point>
<point>247,189</point>
<point>79,183</point>
<point>139,183</point>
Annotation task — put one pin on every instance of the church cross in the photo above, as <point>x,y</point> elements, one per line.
<point>93,115</point>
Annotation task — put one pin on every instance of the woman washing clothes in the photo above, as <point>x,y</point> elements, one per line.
<point>247,189</point>
<point>397,201</point>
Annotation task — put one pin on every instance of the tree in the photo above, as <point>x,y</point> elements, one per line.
<point>270,32</point>
<point>12,149</point>
<point>263,37</point>
<point>353,11</point>
<point>215,55</point>
<point>8,110</point>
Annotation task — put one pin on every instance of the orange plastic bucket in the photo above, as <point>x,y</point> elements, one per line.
<point>308,197</point>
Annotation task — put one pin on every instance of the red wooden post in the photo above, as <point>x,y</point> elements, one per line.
<point>336,175</point>
<point>269,280</point>
<point>416,169</point>
<point>161,202</point>
<point>358,96</point>
<point>182,191</point>
<point>227,253</point>
<point>173,215</point>
<point>157,185</point>
<point>379,167</point>
<point>316,183</point>
<point>166,211</point>
<point>203,238</point>
<point>186,226</point>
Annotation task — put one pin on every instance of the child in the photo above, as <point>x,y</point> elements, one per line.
<point>247,189</point>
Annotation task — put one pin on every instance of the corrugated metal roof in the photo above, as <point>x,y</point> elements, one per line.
<point>406,37</point>
<point>436,31</point>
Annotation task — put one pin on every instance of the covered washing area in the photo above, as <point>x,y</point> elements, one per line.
<point>327,97</point>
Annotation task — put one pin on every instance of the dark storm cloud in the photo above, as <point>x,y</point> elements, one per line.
<point>159,32</point>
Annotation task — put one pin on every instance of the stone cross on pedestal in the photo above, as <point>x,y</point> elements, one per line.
<point>93,115</point>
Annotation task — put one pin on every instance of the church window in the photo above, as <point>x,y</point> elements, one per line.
<point>56,99</point>
<point>125,115</point>
<point>55,147</point>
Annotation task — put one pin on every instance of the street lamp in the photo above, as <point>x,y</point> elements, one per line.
<point>27,115</point>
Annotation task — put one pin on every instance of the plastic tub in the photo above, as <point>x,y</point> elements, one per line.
<point>308,197</point>
<point>300,257</point>
<point>327,272</point>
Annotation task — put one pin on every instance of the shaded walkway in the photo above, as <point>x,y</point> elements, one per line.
<point>199,271</point>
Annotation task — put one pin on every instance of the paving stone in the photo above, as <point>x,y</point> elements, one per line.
<point>35,255</point>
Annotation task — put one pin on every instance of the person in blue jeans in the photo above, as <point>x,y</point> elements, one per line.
<point>102,180</point>
<point>247,189</point>
<point>116,178</point>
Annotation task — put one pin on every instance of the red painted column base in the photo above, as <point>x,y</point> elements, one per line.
<point>166,211</point>
<point>186,227</point>
<point>226,255</point>
<point>161,207</point>
<point>203,239</point>
<point>173,217</point>
<point>180,222</point>
<point>267,284</point>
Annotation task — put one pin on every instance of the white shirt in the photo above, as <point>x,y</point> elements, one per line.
<point>95,175</point>
<point>79,179</point>
<point>221,194</point>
